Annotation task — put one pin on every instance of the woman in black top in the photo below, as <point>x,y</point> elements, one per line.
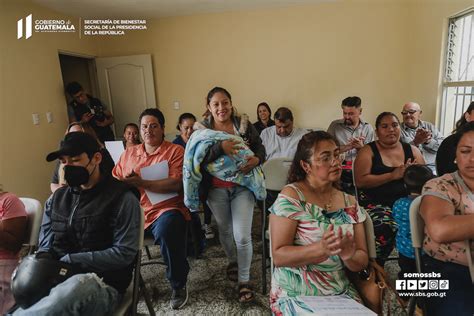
<point>264,115</point>
<point>447,150</point>
<point>378,170</point>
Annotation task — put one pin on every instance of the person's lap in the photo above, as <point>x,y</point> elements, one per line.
<point>169,232</point>
<point>458,300</point>
<point>81,294</point>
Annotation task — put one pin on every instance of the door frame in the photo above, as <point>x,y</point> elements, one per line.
<point>92,69</point>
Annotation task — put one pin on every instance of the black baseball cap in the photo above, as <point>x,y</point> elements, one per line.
<point>75,143</point>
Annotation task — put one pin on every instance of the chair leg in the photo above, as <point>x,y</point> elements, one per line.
<point>148,254</point>
<point>411,306</point>
<point>136,284</point>
<point>264,251</point>
<point>144,292</point>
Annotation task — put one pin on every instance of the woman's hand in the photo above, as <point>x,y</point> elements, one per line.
<point>252,162</point>
<point>348,246</point>
<point>331,243</point>
<point>400,171</point>
<point>230,146</point>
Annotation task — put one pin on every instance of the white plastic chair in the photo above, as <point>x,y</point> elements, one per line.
<point>417,229</point>
<point>370,236</point>
<point>276,175</point>
<point>35,211</point>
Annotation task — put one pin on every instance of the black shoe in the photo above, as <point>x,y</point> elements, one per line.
<point>179,298</point>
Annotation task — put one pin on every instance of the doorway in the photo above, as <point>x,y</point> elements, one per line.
<point>80,69</point>
<point>124,84</point>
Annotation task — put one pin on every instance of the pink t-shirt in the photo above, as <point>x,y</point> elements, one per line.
<point>10,207</point>
<point>451,188</point>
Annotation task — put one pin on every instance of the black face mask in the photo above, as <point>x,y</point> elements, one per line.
<point>76,176</point>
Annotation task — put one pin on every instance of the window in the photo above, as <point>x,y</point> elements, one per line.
<point>458,78</point>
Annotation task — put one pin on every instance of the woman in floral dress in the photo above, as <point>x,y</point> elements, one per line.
<point>316,230</point>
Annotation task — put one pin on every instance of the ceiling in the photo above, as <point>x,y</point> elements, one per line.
<point>149,9</point>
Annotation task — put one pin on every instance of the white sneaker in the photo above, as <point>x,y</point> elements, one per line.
<point>208,233</point>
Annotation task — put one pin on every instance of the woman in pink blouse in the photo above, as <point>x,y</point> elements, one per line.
<point>448,211</point>
<point>12,233</point>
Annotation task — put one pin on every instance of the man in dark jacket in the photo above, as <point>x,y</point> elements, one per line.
<point>93,224</point>
<point>87,109</point>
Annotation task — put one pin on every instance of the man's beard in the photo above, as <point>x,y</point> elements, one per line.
<point>348,122</point>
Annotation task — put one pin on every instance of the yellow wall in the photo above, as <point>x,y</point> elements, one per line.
<point>31,82</point>
<point>308,58</point>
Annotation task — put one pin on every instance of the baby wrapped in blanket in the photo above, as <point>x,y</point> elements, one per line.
<point>226,168</point>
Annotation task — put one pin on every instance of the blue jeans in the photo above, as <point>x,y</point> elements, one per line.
<point>459,298</point>
<point>81,294</point>
<point>233,211</point>
<point>169,232</point>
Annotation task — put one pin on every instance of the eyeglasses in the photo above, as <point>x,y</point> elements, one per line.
<point>411,112</point>
<point>329,160</point>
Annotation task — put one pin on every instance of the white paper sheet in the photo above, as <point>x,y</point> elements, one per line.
<point>336,305</point>
<point>157,171</point>
<point>115,149</point>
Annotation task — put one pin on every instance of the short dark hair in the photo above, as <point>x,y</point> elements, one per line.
<point>305,151</point>
<point>131,125</point>
<point>352,102</point>
<point>265,104</point>
<point>416,176</point>
<point>215,90</point>
<point>380,117</point>
<point>153,112</point>
<point>73,87</point>
<point>185,116</point>
<point>283,114</point>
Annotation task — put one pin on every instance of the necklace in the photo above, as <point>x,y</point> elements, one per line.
<point>326,206</point>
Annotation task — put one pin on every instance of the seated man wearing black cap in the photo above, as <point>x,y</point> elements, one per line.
<point>93,224</point>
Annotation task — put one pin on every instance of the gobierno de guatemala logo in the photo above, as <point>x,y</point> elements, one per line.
<point>49,26</point>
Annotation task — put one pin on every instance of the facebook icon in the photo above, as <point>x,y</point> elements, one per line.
<point>400,284</point>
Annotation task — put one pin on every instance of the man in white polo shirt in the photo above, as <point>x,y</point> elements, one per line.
<point>281,140</point>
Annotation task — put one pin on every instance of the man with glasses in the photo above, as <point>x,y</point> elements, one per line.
<point>166,217</point>
<point>87,109</point>
<point>421,134</point>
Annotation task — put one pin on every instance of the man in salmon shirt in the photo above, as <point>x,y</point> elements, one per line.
<point>166,220</point>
